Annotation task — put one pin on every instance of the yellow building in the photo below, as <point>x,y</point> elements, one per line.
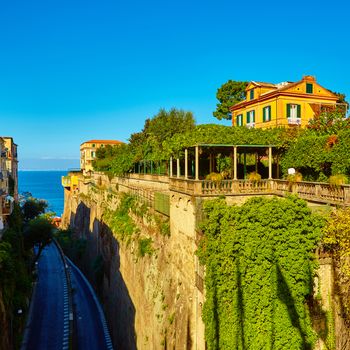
<point>8,178</point>
<point>285,104</point>
<point>88,152</point>
<point>12,165</point>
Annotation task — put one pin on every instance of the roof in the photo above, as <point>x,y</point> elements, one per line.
<point>280,89</point>
<point>107,142</point>
<point>230,145</point>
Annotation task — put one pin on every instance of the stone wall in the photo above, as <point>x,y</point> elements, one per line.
<point>150,302</point>
<point>155,302</point>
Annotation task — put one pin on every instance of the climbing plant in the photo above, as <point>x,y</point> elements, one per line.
<point>259,272</point>
<point>337,240</point>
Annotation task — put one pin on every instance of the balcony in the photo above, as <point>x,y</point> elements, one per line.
<point>294,121</point>
<point>250,125</point>
<point>70,181</point>
<point>7,205</point>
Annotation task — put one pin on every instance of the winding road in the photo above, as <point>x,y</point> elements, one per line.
<point>48,327</point>
<point>48,316</point>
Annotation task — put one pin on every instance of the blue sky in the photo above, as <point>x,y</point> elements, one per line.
<point>77,70</point>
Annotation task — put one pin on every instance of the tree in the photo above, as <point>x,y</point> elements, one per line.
<point>329,122</point>
<point>38,232</point>
<point>228,95</point>
<point>33,207</point>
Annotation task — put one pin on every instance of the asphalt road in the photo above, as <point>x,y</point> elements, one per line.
<point>89,329</point>
<point>47,325</point>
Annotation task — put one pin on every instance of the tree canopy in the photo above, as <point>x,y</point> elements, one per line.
<point>228,95</point>
<point>33,207</point>
<point>146,144</point>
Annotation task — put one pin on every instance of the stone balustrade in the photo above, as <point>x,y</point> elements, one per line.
<point>317,192</point>
<point>311,191</point>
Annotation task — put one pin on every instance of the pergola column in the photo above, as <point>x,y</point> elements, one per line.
<point>270,162</point>
<point>235,163</point>
<point>177,167</point>
<point>171,167</point>
<point>245,164</point>
<point>197,163</point>
<point>186,164</point>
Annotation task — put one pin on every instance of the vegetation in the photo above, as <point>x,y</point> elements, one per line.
<point>329,123</point>
<point>73,246</point>
<point>337,241</point>
<point>229,94</point>
<point>259,273</point>
<point>145,247</point>
<point>147,144</point>
<point>25,229</point>
<point>318,156</point>
<point>38,232</point>
<point>33,207</point>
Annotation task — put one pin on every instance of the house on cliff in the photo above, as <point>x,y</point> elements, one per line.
<point>285,104</point>
<point>88,152</point>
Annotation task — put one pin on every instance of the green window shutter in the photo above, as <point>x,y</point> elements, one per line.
<point>269,111</point>
<point>253,121</point>
<point>298,111</point>
<point>248,117</point>
<point>309,88</point>
<point>288,110</point>
<point>264,114</point>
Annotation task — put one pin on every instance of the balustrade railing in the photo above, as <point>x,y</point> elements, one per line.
<point>313,191</point>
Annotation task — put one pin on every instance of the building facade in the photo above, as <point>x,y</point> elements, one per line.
<point>285,104</point>
<point>88,152</point>
<point>8,178</point>
<point>12,166</point>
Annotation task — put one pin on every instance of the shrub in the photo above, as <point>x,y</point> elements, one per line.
<point>338,180</point>
<point>254,176</point>
<point>145,247</point>
<point>214,177</point>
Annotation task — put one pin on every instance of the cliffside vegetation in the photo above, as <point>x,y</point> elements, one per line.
<point>259,273</point>
<point>122,223</point>
<point>337,241</point>
<point>17,260</point>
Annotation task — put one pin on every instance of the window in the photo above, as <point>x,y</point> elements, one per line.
<point>251,117</point>
<point>93,154</point>
<point>267,114</point>
<point>93,145</point>
<point>293,111</point>
<point>239,120</point>
<point>251,94</point>
<point>309,88</point>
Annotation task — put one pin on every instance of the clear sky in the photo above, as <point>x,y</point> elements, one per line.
<point>76,70</point>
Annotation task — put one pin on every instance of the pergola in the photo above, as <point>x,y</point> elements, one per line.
<point>235,151</point>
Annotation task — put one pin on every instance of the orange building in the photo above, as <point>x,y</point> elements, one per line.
<point>88,152</point>
<point>284,104</point>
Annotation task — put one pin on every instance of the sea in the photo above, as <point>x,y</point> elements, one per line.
<point>44,185</point>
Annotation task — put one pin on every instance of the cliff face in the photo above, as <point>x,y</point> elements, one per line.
<point>150,300</point>
<point>154,300</point>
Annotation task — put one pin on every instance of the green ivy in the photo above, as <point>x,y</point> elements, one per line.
<point>259,272</point>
